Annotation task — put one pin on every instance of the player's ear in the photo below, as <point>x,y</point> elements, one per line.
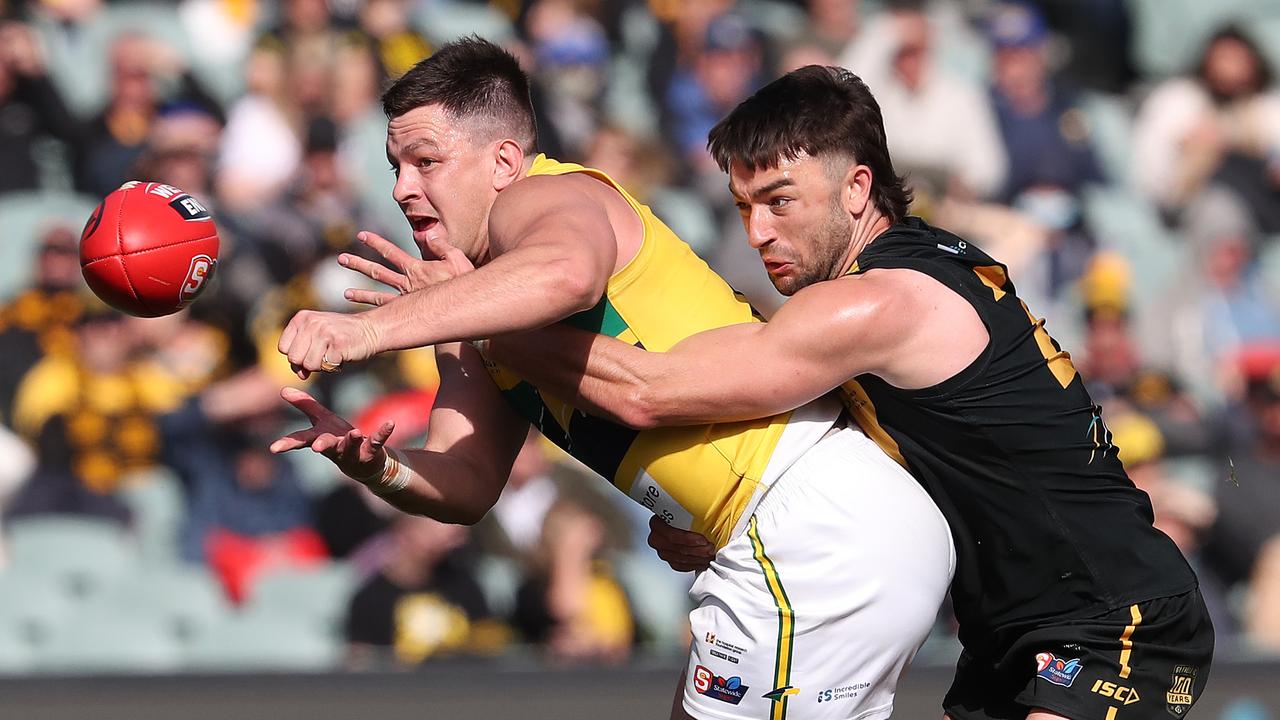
<point>856,191</point>
<point>508,164</point>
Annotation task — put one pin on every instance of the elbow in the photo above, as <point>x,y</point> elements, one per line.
<point>641,410</point>
<point>469,516</point>
<point>577,286</point>
<point>459,514</point>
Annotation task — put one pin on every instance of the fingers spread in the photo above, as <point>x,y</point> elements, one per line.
<point>386,249</point>
<point>309,406</point>
<point>374,271</point>
<point>324,443</point>
<point>293,441</point>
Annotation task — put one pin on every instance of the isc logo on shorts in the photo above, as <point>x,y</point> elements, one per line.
<point>1126,695</point>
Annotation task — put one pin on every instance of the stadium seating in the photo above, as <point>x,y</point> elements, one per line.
<point>499,579</point>
<point>1125,222</point>
<point>111,642</point>
<point>1170,34</point>
<point>256,642</point>
<point>82,554</point>
<point>445,21</point>
<point>314,597</point>
<point>186,600</point>
<point>15,652</point>
<point>32,609</point>
<point>156,505</point>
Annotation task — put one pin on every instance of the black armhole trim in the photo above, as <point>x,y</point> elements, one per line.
<point>944,273</point>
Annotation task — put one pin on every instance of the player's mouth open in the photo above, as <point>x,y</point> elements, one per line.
<point>423,224</point>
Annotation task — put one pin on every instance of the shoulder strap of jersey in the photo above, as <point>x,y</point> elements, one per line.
<point>952,261</point>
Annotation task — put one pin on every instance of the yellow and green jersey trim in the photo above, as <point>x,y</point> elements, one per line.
<point>703,478</point>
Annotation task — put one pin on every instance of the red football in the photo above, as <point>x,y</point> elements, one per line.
<point>148,249</point>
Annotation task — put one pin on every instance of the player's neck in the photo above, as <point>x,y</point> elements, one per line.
<point>865,229</point>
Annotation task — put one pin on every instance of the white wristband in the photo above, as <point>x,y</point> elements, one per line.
<point>396,474</point>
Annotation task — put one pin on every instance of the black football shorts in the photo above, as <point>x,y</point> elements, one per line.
<point>1141,662</point>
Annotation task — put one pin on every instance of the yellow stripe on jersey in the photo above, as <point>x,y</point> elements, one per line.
<point>700,478</point>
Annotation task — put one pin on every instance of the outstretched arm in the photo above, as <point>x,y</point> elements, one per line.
<point>553,250</point>
<point>472,441</point>
<point>820,338</point>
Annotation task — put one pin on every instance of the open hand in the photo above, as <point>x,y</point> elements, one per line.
<point>410,273</point>
<point>356,455</point>
<point>684,551</point>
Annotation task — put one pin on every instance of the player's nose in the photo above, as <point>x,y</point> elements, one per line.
<point>760,230</point>
<point>406,189</point>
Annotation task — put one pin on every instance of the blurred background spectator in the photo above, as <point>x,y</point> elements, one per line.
<point>1123,158</point>
<point>1220,123</point>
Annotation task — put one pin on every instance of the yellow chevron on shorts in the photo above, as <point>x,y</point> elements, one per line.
<point>786,627</point>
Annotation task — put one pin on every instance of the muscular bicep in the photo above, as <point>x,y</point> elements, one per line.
<point>820,338</point>
<point>560,224</point>
<point>812,345</point>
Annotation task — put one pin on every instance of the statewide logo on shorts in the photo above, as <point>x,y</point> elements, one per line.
<point>1057,670</point>
<point>1179,698</point>
<point>730,690</point>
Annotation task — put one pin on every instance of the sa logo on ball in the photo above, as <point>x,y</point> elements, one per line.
<point>198,274</point>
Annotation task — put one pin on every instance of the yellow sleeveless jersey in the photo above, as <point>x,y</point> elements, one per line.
<point>703,478</point>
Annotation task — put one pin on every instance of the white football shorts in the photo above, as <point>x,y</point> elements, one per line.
<point>817,607</point>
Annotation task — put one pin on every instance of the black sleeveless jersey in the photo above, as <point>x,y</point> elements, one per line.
<point>1015,453</point>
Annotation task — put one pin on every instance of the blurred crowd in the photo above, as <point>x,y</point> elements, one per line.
<point>1123,158</point>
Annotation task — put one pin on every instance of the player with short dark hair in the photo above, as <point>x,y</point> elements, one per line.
<point>783,627</point>
<point>1071,605</point>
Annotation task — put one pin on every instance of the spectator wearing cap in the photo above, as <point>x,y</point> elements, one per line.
<point>1243,546</point>
<point>725,70</point>
<point>113,142</point>
<point>571,54</point>
<point>1045,133</point>
<point>180,151</point>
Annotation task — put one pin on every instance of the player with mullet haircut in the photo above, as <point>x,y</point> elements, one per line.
<point>1071,604</point>
<point>785,627</point>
